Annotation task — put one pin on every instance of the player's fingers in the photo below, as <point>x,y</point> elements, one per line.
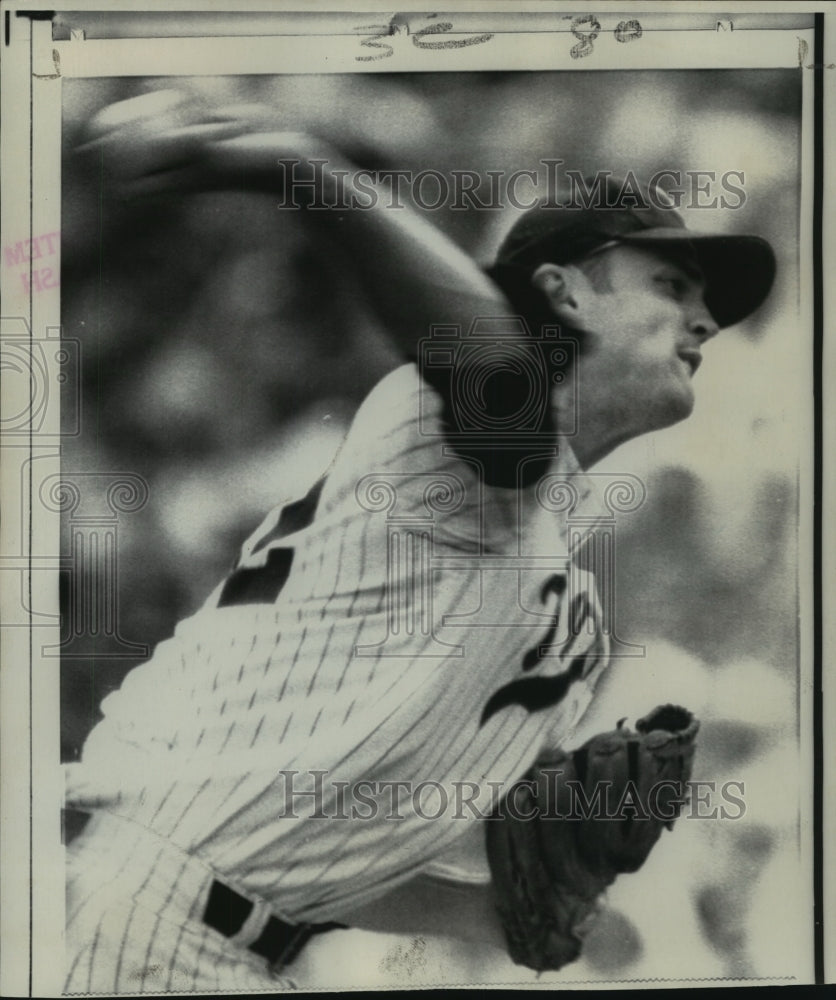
<point>290,145</point>
<point>187,135</point>
<point>254,114</point>
<point>129,160</point>
<point>164,110</point>
<point>175,106</point>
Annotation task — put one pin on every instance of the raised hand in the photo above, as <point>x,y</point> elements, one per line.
<point>169,140</point>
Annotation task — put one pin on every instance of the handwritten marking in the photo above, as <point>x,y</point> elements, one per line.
<point>382,31</point>
<point>405,960</point>
<point>397,25</point>
<point>628,31</point>
<point>586,38</point>
<point>451,43</point>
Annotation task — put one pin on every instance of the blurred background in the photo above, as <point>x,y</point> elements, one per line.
<point>224,350</point>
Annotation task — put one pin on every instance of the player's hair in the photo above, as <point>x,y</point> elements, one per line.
<point>514,280</point>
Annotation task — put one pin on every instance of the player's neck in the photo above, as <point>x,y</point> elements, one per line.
<point>589,425</point>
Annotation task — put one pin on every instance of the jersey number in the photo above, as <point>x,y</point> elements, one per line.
<point>537,693</point>
<point>263,584</point>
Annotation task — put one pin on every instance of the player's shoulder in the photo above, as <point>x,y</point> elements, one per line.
<point>402,394</point>
<point>399,418</point>
<point>395,442</point>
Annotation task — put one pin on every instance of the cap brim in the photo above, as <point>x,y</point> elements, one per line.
<point>739,270</point>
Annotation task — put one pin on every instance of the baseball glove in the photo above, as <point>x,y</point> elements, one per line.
<point>579,819</point>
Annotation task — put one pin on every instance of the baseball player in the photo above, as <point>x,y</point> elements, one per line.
<point>319,745</point>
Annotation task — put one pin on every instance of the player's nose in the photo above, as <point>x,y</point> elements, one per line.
<point>700,321</point>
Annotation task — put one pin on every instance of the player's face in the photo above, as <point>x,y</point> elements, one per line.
<point>645,321</point>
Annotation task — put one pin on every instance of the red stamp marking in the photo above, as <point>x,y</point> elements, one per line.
<point>41,277</point>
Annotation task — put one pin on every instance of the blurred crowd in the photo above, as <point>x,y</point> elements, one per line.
<point>224,350</point>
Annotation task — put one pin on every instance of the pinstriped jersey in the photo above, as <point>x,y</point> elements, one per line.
<point>390,651</point>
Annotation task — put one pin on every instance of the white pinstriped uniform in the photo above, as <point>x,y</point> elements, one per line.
<point>348,671</point>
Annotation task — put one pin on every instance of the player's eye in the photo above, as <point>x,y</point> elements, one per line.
<point>672,284</point>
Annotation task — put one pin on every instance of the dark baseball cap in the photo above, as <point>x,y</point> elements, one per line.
<point>738,270</point>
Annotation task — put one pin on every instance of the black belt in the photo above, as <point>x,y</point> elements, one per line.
<point>279,942</point>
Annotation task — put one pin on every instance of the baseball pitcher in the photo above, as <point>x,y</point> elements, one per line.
<point>368,722</point>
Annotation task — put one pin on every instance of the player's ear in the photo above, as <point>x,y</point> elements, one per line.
<point>560,286</point>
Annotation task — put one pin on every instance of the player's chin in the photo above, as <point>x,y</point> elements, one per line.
<point>675,406</point>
